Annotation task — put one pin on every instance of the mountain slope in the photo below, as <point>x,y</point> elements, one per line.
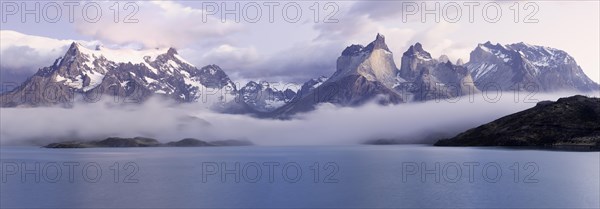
<point>572,121</point>
<point>526,67</point>
<point>309,86</point>
<point>262,97</point>
<point>127,74</point>
<point>427,78</point>
<point>362,74</point>
<point>375,62</point>
<point>414,60</point>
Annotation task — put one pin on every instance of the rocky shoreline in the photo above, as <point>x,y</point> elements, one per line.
<point>571,123</point>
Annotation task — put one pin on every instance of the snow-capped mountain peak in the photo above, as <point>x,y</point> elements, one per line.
<point>118,55</point>
<point>124,72</point>
<point>497,50</point>
<point>81,63</point>
<point>542,55</point>
<point>262,97</point>
<point>527,66</point>
<point>357,49</point>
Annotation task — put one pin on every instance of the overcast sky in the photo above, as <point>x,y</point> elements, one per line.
<point>297,49</point>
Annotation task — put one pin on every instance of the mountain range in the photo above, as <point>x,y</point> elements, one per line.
<point>363,74</point>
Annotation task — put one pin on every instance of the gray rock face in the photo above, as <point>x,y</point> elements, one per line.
<point>420,77</point>
<point>526,67</point>
<point>310,85</point>
<point>414,60</point>
<point>443,81</point>
<point>263,98</point>
<point>567,123</point>
<point>375,62</point>
<point>427,78</point>
<point>128,75</point>
<point>363,74</point>
<point>352,90</point>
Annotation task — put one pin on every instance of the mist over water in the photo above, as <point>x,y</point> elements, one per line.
<point>327,125</point>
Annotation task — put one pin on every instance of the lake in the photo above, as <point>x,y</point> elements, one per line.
<point>362,176</point>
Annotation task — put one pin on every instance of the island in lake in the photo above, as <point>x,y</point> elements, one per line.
<point>145,142</point>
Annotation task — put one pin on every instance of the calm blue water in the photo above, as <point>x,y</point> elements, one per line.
<point>331,177</point>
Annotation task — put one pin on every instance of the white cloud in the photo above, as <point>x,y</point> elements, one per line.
<point>298,63</point>
<point>161,24</point>
<point>328,125</point>
<point>29,52</point>
<point>227,54</point>
<point>436,41</point>
<point>22,55</point>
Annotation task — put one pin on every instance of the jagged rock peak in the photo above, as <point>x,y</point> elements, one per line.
<point>379,43</point>
<point>99,47</point>
<point>254,86</point>
<point>417,51</point>
<point>252,83</point>
<point>74,48</point>
<point>172,51</point>
<point>353,49</point>
<point>213,66</point>
<point>356,49</point>
<point>418,46</point>
<point>444,58</point>
<point>490,45</point>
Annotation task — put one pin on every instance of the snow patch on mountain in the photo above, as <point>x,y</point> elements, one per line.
<point>123,55</point>
<point>525,66</point>
<point>265,96</point>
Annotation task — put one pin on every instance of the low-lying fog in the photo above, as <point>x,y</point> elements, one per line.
<point>328,125</point>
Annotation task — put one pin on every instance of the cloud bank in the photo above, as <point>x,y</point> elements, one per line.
<point>328,125</point>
